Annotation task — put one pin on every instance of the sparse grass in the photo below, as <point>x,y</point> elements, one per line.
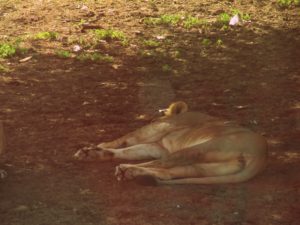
<point>284,3</point>
<point>78,40</point>
<point>242,15</point>
<point>95,57</point>
<point>170,19</point>
<point>206,42</point>
<point>94,38</point>
<point>187,22</point>
<point>246,17</point>
<point>166,68</point>
<point>166,19</point>
<point>288,3</point>
<point>156,56</point>
<point>7,50</point>
<point>79,24</point>
<point>223,18</point>
<point>46,35</point>
<point>219,43</point>
<point>11,48</point>
<point>104,34</point>
<point>225,27</point>
<point>63,53</point>
<point>151,43</point>
<point>191,21</point>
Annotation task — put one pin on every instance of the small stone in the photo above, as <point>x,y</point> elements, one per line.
<point>21,208</point>
<point>76,48</point>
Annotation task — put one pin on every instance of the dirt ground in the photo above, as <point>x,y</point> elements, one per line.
<point>52,106</point>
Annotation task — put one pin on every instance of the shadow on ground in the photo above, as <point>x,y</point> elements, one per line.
<point>52,106</point>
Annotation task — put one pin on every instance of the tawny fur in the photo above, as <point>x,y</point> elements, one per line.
<point>187,147</point>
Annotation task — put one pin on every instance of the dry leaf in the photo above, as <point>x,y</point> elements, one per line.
<point>25,59</point>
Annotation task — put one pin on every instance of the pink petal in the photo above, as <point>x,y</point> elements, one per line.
<point>234,20</point>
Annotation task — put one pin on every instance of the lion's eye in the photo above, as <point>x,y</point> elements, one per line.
<point>163,112</point>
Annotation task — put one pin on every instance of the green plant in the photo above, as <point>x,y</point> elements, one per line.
<point>151,43</point>
<point>223,18</point>
<point>206,42</point>
<point>288,3</point>
<point>219,43</point>
<point>11,48</point>
<point>109,35</point>
<point>243,16</point>
<point>95,57</point>
<point>187,22</point>
<point>176,54</point>
<point>191,22</point>
<point>225,27</point>
<point>284,3</point>
<point>81,22</point>
<point>45,35</point>
<point>63,54</point>
<point>166,19</point>
<point>246,16</point>
<point>166,68</point>
<point>170,19</point>
<point>7,50</point>
<point>104,34</point>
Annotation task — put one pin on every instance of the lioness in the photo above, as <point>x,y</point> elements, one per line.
<point>189,148</point>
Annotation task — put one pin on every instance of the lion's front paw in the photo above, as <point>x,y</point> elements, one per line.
<point>93,153</point>
<point>85,153</point>
<point>3,174</point>
<point>119,173</point>
<point>122,172</point>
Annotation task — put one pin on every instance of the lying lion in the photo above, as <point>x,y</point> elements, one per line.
<point>189,148</point>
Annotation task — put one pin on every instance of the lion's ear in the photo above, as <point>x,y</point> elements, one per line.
<point>176,108</point>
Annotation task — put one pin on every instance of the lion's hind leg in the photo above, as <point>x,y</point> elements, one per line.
<point>188,156</point>
<point>197,170</point>
<point>131,171</point>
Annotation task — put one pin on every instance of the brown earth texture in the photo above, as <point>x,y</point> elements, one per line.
<point>80,72</point>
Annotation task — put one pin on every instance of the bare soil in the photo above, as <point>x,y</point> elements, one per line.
<point>52,106</point>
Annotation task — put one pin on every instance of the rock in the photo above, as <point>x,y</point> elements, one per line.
<point>21,208</point>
